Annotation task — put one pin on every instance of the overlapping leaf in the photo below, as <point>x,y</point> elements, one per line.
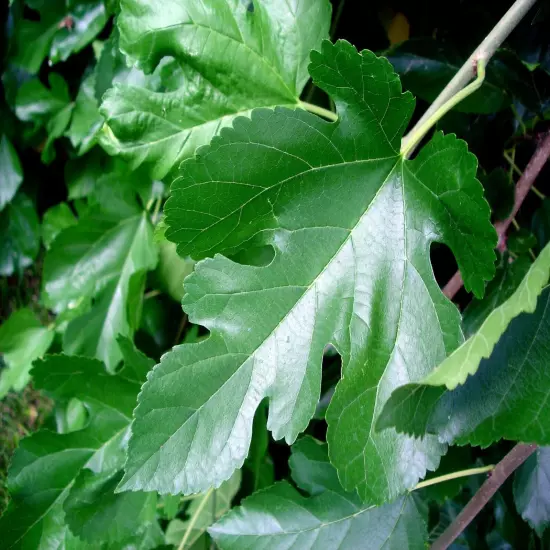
<point>11,173</point>
<point>103,257</point>
<point>62,28</point>
<point>234,56</point>
<point>411,406</point>
<point>506,399</point>
<point>69,478</point>
<point>19,235</point>
<point>351,224</point>
<point>532,490</point>
<point>22,340</point>
<point>279,517</point>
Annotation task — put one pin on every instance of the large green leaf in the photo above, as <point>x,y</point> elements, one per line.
<point>47,465</point>
<point>55,220</point>
<point>19,235</point>
<point>532,490</point>
<point>11,173</point>
<point>279,517</point>
<point>351,223</point>
<point>22,340</point>
<point>62,29</point>
<point>234,56</point>
<point>97,258</point>
<point>410,403</point>
<point>508,397</point>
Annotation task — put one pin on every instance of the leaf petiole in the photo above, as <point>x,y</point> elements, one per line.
<point>454,475</point>
<point>417,135</point>
<point>325,113</point>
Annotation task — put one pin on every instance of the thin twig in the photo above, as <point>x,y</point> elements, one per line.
<point>532,170</point>
<point>513,460</point>
<point>484,51</point>
<point>454,475</point>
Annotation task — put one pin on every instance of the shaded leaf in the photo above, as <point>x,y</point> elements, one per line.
<point>521,241</point>
<point>506,399</point>
<point>350,268</point>
<point>172,270</point>
<point>11,173</point>
<point>56,219</point>
<point>499,192</point>
<point>231,59</point>
<point>63,28</point>
<point>532,490</point>
<point>22,340</point>
<point>86,120</point>
<point>19,235</point>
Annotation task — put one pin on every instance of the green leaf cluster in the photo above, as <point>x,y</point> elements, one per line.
<point>222,269</point>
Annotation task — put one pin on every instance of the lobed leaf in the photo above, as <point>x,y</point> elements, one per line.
<point>351,223</point>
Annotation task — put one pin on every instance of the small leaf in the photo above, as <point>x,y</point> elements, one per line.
<point>19,235</point>
<point>311,468</point>
<point>540,223</point>
<point>499,192</point>
<point>521,241</point>
<point>532,490</point>
<point>11,173</point>
<point>231,60</point>
<point>56,219</point>
<point>86,121</point>
<point>22,340</point>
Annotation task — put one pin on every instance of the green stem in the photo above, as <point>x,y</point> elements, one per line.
<point>454,475</point>
<point>415,137</point>
<point>156,210</point>
<point>194,518</point>
<point>318,110</point>
<point>484,51</point>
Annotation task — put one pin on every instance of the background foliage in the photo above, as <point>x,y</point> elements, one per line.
<point>101,102</point>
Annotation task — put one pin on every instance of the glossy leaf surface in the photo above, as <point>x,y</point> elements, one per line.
<point>234,56</point>
<point>351,223</point>
<point>11,173</point>
<point>279,517</point>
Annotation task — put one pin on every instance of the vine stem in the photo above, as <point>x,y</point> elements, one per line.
<point>524,184</point>
<point>454,475</point>
<point>318,110</point>
<point>484,51</point>
<point>513,460</point>
<point>420,130</point>
<point>193,520</point>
